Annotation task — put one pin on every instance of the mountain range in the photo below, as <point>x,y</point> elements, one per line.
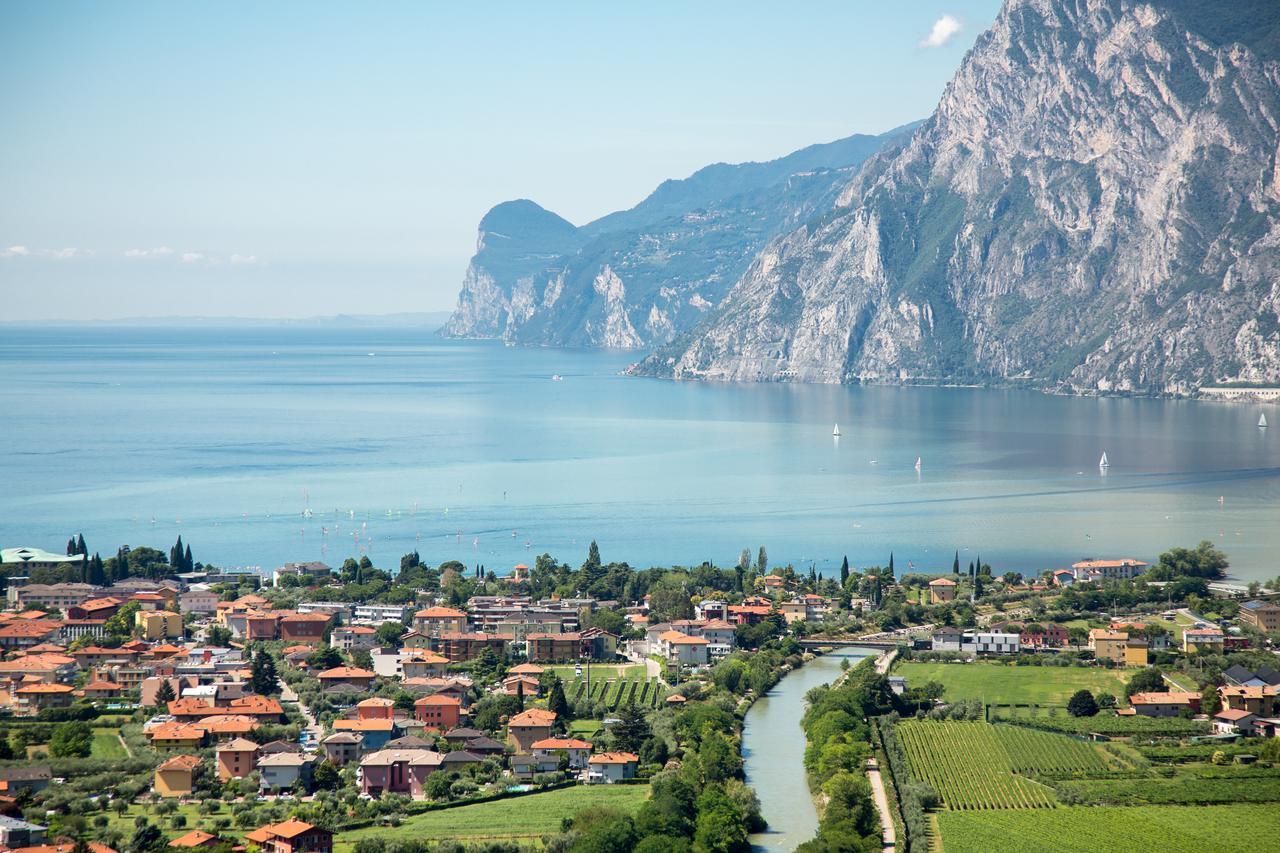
<point>1094,206</point>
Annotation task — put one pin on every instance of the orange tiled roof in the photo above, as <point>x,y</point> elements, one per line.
<point>181,762</point>
<point>533,717</point>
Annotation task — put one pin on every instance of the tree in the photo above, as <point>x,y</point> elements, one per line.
<point>146,839</point>
<point>1210,701</point>
<point>557,702</point>
<point>325,657</point>
<point>164,695</point>
<point>71,740</point>
<point>1082,704</point>
<point>844,570</point>
<point>955,565</point>
<point>219,636</point>
<point>631,730</point>
<point>389,633</point>
<point>1106,701</point>
<point>120,624</point>
<point>744,559</point>
<point>762,561</point>
<point>720,827</point>
<point>326,777</point>
<point>718,758</point>
<point>890,570</point>
<point>1147,680</point>
<point>1204,561</point>
<point>262,676</point>
<point>520,694</point>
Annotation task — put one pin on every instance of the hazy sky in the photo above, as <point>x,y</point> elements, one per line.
<point>295,159</point>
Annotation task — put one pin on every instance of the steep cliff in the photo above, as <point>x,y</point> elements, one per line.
<point>1094,205</point>
<point>639,277</point>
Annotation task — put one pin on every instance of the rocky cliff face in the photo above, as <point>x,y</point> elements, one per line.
<point>1094,205</point>
<point>639,277</point>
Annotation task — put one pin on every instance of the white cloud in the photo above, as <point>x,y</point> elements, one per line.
<point>944,30</point>
<point>244,259</point>
<point>191,257</point>
<point>15,251</point>
<point>158,251</point>
<point>63,254</point>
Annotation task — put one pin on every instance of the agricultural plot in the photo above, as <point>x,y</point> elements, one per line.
<point>1077,829</point>
<point>969,767</point>
<point>1108,724</point>
<point>1031,751</point>
<point>1182,789</point>
<point>616,693</point>
<point>998,683</point>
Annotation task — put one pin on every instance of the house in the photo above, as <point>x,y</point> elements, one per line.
<point>177,776</point>
<point>292,836</point>
<point>314,570</point>
<point>1233,721</point>
<point>1167,704</point>
<point>610,767</point>
<point>375,708</point>
<point>236,758</point>
<point>577,751</point>
<point>1239,676</point>
<point>16,833</point>
<point>342,748</point>
<point>1206,640</point>
<point>1136,652</point>
<point>23,634</point>
<point>948,640</point>
<point>527,765</point>
<point>158,624</point>
<point>1064,577</point>
<point>941,590</point>
<point>1123,569</point>
<point>997,643</point>
<point>375,733</point>
<point>460,646</point>
<point>101,689</point>
<point>1260,701</point>
<point>805,608</point>
<point>1043,636</point>
<point>31,699</point>
<point>33,779</point>
<point>528,727</point>
<point>1107,644</point>
<point>1263,615</point>
<point>748,614</point>
<point>435,621</point>
<point>199,839</point>
<point>460,759</point>
<point>352,676</point>
<point>683,649</point>
<point>352,638</point>
<point>306,628</point>
<point>95,608</point>
<point>397,771</point>
<point>284,770</point>
<point>174,735</point>
<point>516,685</point>
<point>424,664</point>
<point>203,602</point>
<point>438,712</point>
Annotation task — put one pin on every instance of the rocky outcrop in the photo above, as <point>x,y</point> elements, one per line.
<point>639,277</point>
<point>1094,206</point>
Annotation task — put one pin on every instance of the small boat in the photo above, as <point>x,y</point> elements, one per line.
<point>1262,421</point>
<point>1103,463</point>
<point>556,377</point>
<point>917,463</point>
<point>836,432</point>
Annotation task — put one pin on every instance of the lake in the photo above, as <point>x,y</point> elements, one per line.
<point>261,446</point>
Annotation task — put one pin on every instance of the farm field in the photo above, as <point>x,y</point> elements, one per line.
<point>970,768</point>
<point>568,672</point>
<point>1103,723</point>
<point>526,817</point>
<point>615,693</point>
<point>996,683</point>
<point>1083,829</point>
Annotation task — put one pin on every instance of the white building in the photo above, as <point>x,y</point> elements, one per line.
<point>997,643</point>
<point>376,614</point>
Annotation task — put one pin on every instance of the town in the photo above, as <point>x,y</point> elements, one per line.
<point>151,702</point>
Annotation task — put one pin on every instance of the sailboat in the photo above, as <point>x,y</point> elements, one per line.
<point>836,432</point>
<point>1262,421</point>
<point>1103,463</point>
<point>917,463</point>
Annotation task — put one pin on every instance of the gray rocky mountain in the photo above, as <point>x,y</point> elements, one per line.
<point>1094,206</point>
<point>639,277</point>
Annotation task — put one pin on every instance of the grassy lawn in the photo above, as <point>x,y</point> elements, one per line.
<point>195,820</point>
<point>106,744</point>
<point>584,728</point>
<point>515,818</point>
<point>1000,684</point>
<point>601,670</point>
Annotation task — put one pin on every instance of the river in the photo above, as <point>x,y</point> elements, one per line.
<point>773,748</point>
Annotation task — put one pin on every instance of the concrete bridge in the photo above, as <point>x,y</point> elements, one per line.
<point>850,642</point>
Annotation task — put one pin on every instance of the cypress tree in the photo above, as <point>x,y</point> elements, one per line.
<point>520,694</point>
<point>762,561</point>
<point>891,574</point>
<point>188,563</point>
<point>122,564</point>
<point>81,548</point>
<point>71,546</point>
<point>955,566</point>
<point>844,571</point>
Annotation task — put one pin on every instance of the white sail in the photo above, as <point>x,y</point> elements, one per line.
<point>1103,463</point>
<point>1262,420</point>
<point>917,463</point>
<point>836,431</point>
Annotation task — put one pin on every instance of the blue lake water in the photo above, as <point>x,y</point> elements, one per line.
<point>394,439</point>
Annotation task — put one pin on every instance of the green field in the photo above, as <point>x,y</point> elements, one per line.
<point>969,766</point>
<point>1075,829</point>
<point>997,683</point>
<point>568,672</point>
<point>615,693</point>
<point>525,817</point>
<point>106,744</point>
<point>1058,720</point>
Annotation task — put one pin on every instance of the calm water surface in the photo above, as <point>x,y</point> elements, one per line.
<point>266,445</point>
<point>773,748</point>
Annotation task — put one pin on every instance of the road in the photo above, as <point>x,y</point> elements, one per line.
<point>888,836</point>
<point>287,695</point>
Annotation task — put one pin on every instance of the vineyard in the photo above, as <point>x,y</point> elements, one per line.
<point>1031,751</point>
<point>1076,829</point>
<point>968,765</point>
<point>616,693</point>
<point>1107,724</point>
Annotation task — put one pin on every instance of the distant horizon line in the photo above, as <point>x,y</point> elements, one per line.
<point>391,319</point>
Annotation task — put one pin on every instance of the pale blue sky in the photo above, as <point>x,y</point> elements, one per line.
<point>297,159</point>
